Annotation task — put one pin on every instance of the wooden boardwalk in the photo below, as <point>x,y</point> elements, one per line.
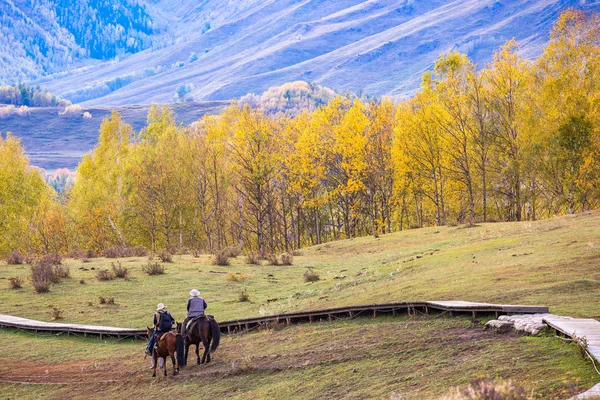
<point>330,314</point>
<point>578,329</point>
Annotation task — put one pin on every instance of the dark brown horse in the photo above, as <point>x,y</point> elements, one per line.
<point>205,330</point>
<point>169,345</point>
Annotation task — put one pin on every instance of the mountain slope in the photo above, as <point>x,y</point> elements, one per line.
<point>39,37</point>
<point>221,50</point>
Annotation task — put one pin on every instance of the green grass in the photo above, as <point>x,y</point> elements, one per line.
<point>554,262</point>
<point>418,358</point>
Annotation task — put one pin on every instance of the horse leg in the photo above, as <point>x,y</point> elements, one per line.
<point>175,367</point>
<point>155,358</point>
<point>206,350</point>
<point>187,350</point>
<point>198,353</point>
<point>165,365</point>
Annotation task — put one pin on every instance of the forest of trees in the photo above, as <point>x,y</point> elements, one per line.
<point>23,95</point>
<point>517,140</point>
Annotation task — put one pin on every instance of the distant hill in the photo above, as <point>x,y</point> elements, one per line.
<point>39,37</point>
<point>217,50</point>
<point>57,137</point>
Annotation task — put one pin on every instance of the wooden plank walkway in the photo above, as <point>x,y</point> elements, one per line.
<point>330,314</point>
<point>587,328</point>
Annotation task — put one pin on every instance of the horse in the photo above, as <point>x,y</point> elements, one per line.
<point>170,344</point>
<point>205,330</point>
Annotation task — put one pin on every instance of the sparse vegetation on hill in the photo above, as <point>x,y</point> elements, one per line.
<point>389,358</point>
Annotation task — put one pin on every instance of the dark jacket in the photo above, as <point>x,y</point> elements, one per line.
<point>163,315</point>
<point>196,307</point>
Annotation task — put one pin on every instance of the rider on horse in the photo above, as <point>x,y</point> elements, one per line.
<point>163,322</point>
<point>195,307</point>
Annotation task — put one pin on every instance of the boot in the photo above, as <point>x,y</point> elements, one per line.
<point>153,363</point>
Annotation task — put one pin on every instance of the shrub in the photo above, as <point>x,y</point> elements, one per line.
<point>42,275</point>
<point>81,281</point>
<point>112,252</point>
<point>15,283</point>
<point>52,259</point>
<point>102,300</point>
<point>29,259</point>
<point>485,388</point>
<point>140,251</point>
<point>15,258</point>
<point>165,256</point>
<point>243,296</point>
<point>55,313</point>
<point>110,300</point>
<point>253,259</point>
<point>272,259</point>
<point>231,277</point>
<point>153,268</point>
<point>232,251</point>
<point>119,271</point>
<point>104,275</point>
<point>221,259</point>
<point>196,253</point>
<point>86,260</point>
<point>91,253</point>
<point>287,259</point>
<point>61,271</point>
<point>296,253</point>
<point>310,275</point>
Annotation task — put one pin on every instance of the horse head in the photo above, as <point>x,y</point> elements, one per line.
<point>149,332</point>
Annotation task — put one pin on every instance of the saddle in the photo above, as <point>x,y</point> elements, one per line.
<point>199,317</point>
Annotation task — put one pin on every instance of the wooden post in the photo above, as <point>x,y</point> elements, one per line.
<point>329,317</point>
<point>350,314</point>
<point>374,313</point>
<point>426,310</point>
<point>229,329</point>
<point>288,321</point>
<point>474,314</point>
<point>393,312</point>
<point>310,318</point>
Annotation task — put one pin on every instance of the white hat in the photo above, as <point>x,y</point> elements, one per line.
<point>160,306</point>
<point>194,293</point>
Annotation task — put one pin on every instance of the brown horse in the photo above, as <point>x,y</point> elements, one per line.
<point>205,330</point>
<point>169,345</point>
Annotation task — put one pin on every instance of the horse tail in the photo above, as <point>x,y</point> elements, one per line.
<point>216,334</point>
<point>180,351</point>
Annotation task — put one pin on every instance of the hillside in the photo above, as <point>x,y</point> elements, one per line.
<point>39,37</point>
<point>54,139</point>
<point>554,262</point>
<point>221,50</point>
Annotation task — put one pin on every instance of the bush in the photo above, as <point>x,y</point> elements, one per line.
<point>272,259</point>
<point>232,251</point>
<point>243,296</point>
<point>221,259</point>
<point>15,258</point>
<point>153,268</point>
<point>61,271</point>
<point>311,276</point>
<point>253,259</point>
<point>52,259</point>
<point>485,388</point>
<point>15,283</point>
<point>287,259</point>
<point>110,300</point>
<point>119,271</point>
<point>111,252</point>
<point>91,253</point>
<point>231,277</point>
<point>102,300</point>
<point>140,251</point>
<point>165,256</point>
<point>81,281</point>
<point>29,259</point>
<point>55,313</point>
<point>42,275</point>
<point>105,275</point>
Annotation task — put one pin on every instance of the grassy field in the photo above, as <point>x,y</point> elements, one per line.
<point>415,358</point>
<point>554,262</point>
